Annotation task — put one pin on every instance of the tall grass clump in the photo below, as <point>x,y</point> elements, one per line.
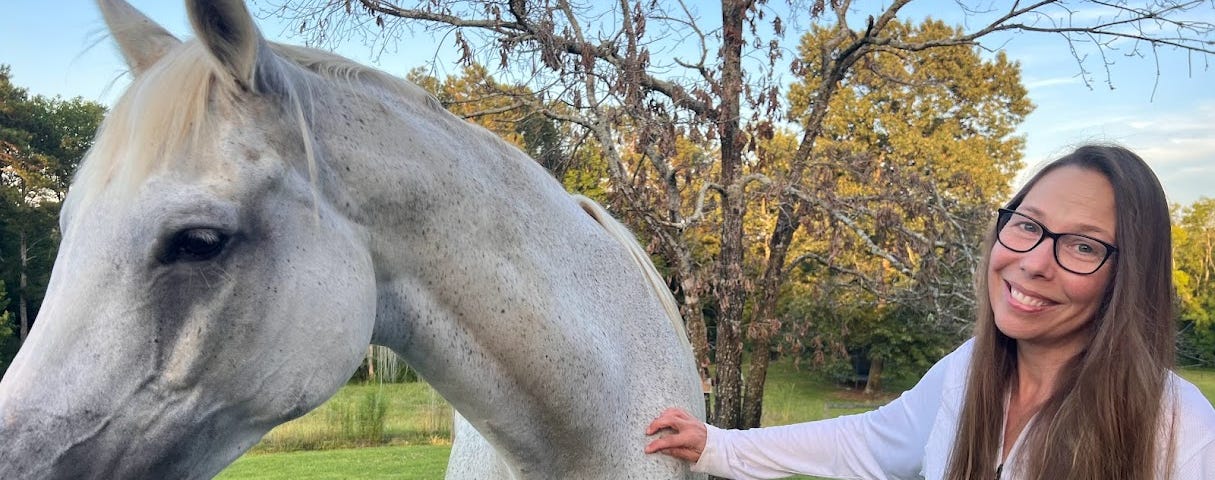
<point>361,420</point>
<point>350,419</point>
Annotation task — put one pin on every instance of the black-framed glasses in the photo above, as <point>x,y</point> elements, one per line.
<point>1076,253</point>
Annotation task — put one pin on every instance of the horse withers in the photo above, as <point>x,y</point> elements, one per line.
<point>253,215</point>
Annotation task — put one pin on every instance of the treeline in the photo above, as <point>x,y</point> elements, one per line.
<point>42,141</point>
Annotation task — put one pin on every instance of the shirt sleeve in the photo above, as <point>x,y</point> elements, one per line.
<point>885,443</point>
<point>1195,442</point>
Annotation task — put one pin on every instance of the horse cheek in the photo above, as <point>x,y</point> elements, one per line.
<point>330,310</point>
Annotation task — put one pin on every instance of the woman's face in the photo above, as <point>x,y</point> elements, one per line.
<point>1037,302</point>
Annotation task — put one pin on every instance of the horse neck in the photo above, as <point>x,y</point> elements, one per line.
<point>507,297</point>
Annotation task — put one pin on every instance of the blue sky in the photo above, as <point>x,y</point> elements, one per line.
<point>62,48</point>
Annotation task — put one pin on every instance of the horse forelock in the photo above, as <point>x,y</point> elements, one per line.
<point>161,112</point>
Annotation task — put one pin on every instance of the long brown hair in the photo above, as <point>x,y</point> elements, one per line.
<point>1101,421</point>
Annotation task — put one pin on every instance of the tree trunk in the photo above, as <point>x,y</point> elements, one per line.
<point>757,376</point>
<point>764,325</point>
<point>370,363</point>
<point>1208,261</point>
<point>730,287</point>
<point>694,322</point>
<point>873,386</point>
<point>22,286</point>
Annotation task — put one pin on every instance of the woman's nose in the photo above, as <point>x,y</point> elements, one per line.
<point>1040,262</point>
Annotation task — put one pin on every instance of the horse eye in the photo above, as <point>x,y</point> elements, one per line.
<point>194,245</point>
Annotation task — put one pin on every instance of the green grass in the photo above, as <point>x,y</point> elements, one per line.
<point>795,395</point>
<point>416,431</point>
<point>398,462</point>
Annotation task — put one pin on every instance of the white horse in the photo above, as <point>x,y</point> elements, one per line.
<point>252,216</point>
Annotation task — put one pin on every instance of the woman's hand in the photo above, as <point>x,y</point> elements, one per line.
<point>687,440</point>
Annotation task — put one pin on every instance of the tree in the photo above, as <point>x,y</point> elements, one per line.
<point>1194,276</point>
<point>638,77</point>
<point>42,141</point>
<point>6,328</point>
<point>932,135</point>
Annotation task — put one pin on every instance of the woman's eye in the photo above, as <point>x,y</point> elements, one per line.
<point>1085,249</point>
<point>1030,227</point>
<point>194,245</point>
<point>1081,247</point>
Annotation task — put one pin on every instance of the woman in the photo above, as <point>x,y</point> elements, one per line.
<point>1068,375</point>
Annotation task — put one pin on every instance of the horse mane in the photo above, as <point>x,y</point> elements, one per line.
<point>170,107</point>
<point>622,234</point>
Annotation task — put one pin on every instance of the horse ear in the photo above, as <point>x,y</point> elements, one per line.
<point>227,30</point>
<point>141,41</point>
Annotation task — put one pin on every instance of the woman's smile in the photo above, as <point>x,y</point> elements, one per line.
<point>1026,299</point>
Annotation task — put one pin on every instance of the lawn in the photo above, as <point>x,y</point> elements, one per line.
<point>414,438</point>
<point>421,462</point>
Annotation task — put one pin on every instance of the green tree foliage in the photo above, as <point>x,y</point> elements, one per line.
<point>944,112</point>
<point>922,149</point>
<point>42,141</point>
<point>1194,277</point>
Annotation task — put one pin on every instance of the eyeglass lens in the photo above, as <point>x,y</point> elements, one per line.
<point>1076,253</point>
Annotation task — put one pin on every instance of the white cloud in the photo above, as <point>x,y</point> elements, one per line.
<point>1034,85</point>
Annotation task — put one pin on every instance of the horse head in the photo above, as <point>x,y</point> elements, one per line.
<point>206,288</point>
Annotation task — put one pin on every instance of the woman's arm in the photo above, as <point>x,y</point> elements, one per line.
<point>885,443</point>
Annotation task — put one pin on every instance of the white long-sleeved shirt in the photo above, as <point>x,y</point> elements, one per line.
<point>912,436</point>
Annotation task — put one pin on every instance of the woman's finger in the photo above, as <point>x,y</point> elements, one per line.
<point>664,443</point>
<point>670,418</point>
<point>685,454</point>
